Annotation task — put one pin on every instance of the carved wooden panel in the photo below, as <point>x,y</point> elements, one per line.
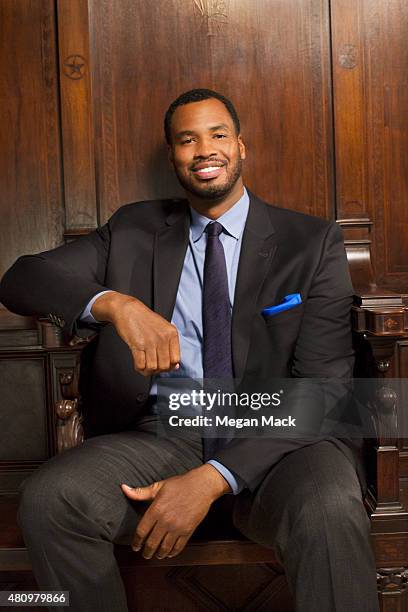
<point>67,421</point>
<point>271,58</point>
<point>30,196</point>
<point>248,588</point>
<point>38,406</point>
<point>402,364</point>
<point>23,418</point>
<point>370,85</point>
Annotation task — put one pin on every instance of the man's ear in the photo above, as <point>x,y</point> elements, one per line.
<point>242,149</point>
<point>170,154</point>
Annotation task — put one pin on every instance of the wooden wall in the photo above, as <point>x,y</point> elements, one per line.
<point>31,198</point>
<point>370,93</point>
<point>271,58</point>
<point>321,89</point>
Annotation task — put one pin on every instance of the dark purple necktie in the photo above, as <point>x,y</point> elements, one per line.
<point>217,353</point>
<point>217,358</point>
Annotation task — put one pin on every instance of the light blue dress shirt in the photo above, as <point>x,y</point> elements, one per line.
<point>187,314</point>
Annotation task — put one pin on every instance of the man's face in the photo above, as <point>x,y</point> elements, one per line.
<point>205,151</point>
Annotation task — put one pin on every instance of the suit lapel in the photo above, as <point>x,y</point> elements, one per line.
<point>257,252</point>
<point>169,253</point>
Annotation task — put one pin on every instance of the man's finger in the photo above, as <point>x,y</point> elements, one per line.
<point>143,530</point>
<point>153,541</point>
<point>142,493</point>
<point>151,359</point>
<point>139,358</point>
<point>174,348</point>
<point>166,545</point>
<point>178,546</point>
<point>163,358</point>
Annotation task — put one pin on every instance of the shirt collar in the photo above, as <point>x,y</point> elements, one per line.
<point>233,220</point>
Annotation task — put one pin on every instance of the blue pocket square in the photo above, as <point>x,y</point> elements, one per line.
<point>289,301</point>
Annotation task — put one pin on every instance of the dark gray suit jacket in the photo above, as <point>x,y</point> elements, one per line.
<point>140,252</point>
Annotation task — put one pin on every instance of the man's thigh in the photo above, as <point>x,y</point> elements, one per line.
<point>314,484</point>
<point>89,476</point>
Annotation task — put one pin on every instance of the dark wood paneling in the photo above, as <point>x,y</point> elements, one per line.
<point>270,56</point>
<point>76,114</point>
<point>30,392</point>
<point>402,372</point>
<point>350,114</point>
<point>30,191</point>
<point>23,415</point>
<point>208,589</point>
<point>370,84</point>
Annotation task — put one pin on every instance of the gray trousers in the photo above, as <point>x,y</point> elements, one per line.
<point>309,508</point>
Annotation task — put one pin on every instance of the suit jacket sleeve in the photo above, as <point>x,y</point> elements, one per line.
<point>323,350</point>
<point>61,281</point>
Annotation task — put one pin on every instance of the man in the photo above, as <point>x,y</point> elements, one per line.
<point>179,288</point>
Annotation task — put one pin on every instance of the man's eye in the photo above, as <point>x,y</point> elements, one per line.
<point>186,141</point>
<point>220,136</point>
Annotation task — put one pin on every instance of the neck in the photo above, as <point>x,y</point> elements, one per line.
<point>213,209</point>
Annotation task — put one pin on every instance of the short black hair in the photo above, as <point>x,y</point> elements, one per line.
<point>198,95</point>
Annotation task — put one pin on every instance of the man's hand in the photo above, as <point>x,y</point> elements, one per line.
<point>178,505</point>
<point>153,340</point>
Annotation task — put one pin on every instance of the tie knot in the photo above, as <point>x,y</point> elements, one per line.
<point>214,229</point>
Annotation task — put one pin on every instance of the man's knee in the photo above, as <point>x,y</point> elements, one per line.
<point>327,510</point>
<point>46,497</point>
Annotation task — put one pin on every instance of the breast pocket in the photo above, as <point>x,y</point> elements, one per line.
<point>285,318</point>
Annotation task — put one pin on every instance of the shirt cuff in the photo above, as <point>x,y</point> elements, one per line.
<point>235,482</point>
<point>86,315</point>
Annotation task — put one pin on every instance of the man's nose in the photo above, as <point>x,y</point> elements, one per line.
<point>205,148</point>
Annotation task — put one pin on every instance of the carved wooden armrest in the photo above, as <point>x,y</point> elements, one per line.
<point>67,410</point>
<point>65,357</point>
<point>380,313</point>
<point>380,320</point>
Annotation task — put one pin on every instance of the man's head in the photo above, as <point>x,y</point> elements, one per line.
<point>205,147</point>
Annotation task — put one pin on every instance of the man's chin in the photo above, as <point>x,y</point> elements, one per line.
<point>212,193</point>
<point>208,192</point>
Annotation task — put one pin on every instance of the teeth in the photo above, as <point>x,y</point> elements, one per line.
<point>209,169</point>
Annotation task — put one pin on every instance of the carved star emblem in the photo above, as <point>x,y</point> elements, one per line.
<point>74,67</point>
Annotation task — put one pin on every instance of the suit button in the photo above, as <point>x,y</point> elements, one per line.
<point>141,397</point>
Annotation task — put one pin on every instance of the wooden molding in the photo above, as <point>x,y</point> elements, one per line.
<point>76,114</point>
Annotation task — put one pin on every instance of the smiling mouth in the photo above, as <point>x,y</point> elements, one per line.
<point>209,172</point>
